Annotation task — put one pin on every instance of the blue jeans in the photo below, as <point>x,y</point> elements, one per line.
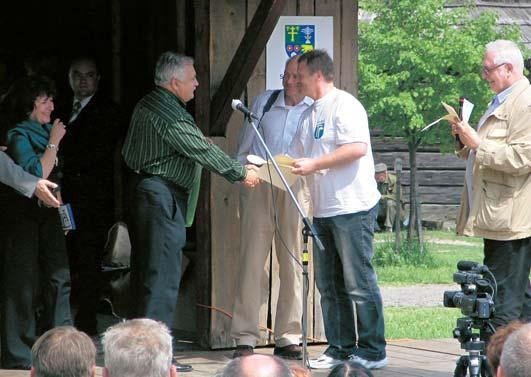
<point>350,297</point>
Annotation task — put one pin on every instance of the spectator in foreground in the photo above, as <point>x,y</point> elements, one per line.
<point>350,369</point>
<point>63,351</point>
<point>496,342</point>
<point>256,366</point>
<point>516,355</point>
<point>138,348</point>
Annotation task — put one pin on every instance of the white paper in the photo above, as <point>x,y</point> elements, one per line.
<point>268,173</point>
<point>467,109</point>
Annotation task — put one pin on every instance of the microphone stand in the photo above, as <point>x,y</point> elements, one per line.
<point>307,231</point>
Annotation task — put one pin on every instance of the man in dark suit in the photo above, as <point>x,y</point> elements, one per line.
<point>88,155</point>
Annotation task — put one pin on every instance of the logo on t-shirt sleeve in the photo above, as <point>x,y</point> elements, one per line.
<point>319,130</point>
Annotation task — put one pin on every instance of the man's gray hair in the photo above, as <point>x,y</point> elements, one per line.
<point>138,348</point>
<point>63,351</point>
<point>256,366</point>
<point>516,355</point>
<point>170,65</point>
<point>506,52</point>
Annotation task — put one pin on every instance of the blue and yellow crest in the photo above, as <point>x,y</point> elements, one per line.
<point>299,39</point>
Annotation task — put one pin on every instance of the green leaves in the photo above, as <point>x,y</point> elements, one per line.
<point>415,54</point>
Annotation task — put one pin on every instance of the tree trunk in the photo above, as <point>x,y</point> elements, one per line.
<point>412,147</point>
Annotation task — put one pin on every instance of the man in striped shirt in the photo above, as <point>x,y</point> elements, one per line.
<point>166,150</point>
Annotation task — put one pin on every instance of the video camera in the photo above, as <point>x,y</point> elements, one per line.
<point>476,301</point>
<point>476,297</point>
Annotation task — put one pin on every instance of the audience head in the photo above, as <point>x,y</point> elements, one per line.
<point>65,352</point>
<point>496,342</point>
<point>515,360</point>
<point>299,370</point>
<point>83,77</point>
<point>350,369</point>
<point>176,73</point>
<point>138,348</point>
<point>256,366</point>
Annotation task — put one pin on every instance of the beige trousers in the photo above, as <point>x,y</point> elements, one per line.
<point>258,208</point>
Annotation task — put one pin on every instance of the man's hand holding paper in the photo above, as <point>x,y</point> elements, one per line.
<point>266,171</point>
<point>467,135</point>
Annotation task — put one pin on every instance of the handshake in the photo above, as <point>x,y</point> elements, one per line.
<point>251,179</point>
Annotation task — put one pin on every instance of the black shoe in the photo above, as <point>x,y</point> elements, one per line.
<point>289,352</point>
<point>182,367</point>
<point>243,350</point>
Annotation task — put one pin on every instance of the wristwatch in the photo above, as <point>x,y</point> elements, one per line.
<point>51,146</point>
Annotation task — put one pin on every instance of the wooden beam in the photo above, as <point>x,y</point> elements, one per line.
<point>243,63</point>
<point>203,231</point>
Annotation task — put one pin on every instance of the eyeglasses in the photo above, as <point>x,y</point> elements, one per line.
<point>487,70</point>
<point>287,76</point>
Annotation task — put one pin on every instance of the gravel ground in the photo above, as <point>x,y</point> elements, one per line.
<point>425,295</point>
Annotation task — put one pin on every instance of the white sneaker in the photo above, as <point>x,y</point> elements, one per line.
<point>369,364</point>
<point>324,362</point>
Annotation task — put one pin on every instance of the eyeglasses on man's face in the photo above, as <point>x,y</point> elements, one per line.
<point>487,70</point>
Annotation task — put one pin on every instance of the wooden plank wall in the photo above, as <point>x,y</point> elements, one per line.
<point>440,176</point>
<point>229,19</point>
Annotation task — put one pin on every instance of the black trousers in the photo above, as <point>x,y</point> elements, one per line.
<point>158,234</point>
<point>35,277</point>
<point>510,261</point>
<point>94,214</point>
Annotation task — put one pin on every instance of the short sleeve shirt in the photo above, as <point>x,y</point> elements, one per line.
<point>334,120</point>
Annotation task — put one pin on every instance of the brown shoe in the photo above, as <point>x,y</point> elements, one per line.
<point>290,352</point>
<point>243,350</point>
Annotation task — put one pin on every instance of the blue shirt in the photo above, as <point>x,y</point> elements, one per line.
<point>26,143</point>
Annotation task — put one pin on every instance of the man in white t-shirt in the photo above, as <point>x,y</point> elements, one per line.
<point>332,146</point>
<point>267,215</point>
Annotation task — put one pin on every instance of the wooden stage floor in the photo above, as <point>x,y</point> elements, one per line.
<point>426,358</point>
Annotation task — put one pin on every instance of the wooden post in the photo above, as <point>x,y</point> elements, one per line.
<point>398,194</point>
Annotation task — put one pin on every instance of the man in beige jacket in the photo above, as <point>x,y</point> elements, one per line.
<point>496,201</point>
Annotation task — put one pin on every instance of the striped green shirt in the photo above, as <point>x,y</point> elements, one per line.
<point>164,140</point>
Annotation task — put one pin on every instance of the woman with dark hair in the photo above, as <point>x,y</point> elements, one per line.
<point>35,267</point>
<point>350,369</point>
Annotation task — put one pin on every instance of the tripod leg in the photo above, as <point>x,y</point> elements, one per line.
<point>485,367</point>
<point>461,367</point>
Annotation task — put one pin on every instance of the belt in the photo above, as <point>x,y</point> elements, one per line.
<point>168,183</point>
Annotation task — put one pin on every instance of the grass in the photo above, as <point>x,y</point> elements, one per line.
<point>445,249</point>
<point>420,323</point>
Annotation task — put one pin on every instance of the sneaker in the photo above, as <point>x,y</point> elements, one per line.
<point>289,352</point>
<point>324,362</point>
<point>243,350</point>
<point>369,364</point>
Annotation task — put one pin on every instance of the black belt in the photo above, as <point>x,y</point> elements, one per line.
<point>168,183</point>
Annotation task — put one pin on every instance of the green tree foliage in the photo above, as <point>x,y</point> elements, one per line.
<point>415,54</point>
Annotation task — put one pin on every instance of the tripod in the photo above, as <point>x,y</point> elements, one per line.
<point>476,361</point>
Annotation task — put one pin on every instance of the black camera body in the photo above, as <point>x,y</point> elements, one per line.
<point>476,301</point>
<point>475,297</point>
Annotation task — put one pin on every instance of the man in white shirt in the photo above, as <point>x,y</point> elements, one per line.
<point>267,214</point>
<point>334,150</point>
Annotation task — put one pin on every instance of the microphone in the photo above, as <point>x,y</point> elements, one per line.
<point>466,265</point>
<point>238,105</point>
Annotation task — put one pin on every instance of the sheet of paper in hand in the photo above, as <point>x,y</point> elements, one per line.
<point>67,217</point>
<point>452,116</point>
<point>268,173</point>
